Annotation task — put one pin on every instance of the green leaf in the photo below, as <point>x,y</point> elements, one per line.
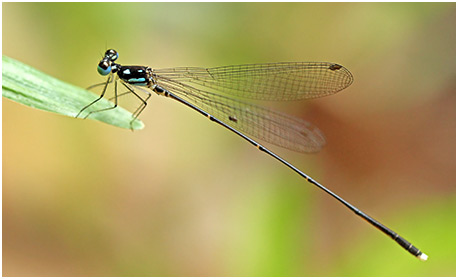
<point>28,86</point>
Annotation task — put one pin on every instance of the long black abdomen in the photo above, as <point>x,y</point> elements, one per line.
<point>135,75</point>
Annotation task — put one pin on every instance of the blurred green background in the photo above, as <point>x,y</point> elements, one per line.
<point>185,197</point>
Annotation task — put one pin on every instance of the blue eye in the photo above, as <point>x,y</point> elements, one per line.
<point>111,55</point>
<point>114,57</point>
<point>104,69</point>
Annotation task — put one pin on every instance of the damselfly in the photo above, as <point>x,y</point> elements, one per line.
<point>197,87</point>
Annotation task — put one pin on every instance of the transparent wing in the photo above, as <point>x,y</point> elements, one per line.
<point>265,124</point>
<point>270,81</point>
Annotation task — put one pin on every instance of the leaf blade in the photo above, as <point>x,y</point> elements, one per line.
<point>28,86</point>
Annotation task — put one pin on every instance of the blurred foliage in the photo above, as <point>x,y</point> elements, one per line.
<point>184,197</point>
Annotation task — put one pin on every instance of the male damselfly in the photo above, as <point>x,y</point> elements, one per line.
<point>195,87</point>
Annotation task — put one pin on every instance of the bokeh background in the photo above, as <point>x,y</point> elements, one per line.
<point>185,197</point>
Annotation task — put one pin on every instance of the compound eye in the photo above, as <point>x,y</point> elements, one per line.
<point>104,68</point>
<point>111,54</point>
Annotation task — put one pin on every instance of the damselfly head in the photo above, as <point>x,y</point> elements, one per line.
<point>104,67</point>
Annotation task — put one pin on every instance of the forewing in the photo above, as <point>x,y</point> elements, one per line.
<point>270,81</point>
